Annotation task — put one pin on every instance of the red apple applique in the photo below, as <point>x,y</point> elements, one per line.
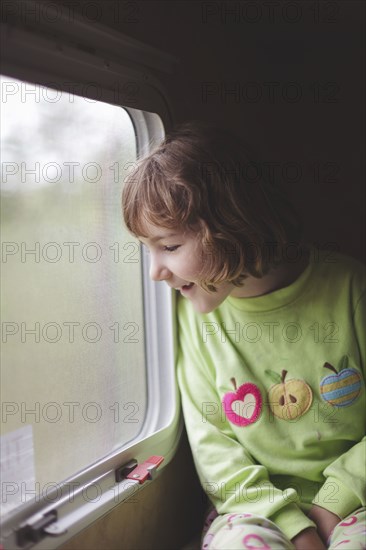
<point>291,399</point>
<point>341,388</point>
<point>243,406</point>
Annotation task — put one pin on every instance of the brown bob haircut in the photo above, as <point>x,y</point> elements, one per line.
<point>200,178</point>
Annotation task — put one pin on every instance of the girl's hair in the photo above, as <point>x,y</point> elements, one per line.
<point>201,178</point>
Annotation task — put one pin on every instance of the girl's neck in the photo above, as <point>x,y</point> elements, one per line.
<point>280,277</point>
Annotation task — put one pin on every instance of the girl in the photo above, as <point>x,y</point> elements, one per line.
<point>271,363</point>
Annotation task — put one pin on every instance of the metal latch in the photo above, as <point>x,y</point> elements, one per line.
<point>33,529</point>
<point>139,472</point>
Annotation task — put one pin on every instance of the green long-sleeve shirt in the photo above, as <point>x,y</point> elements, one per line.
<point>273,395</point>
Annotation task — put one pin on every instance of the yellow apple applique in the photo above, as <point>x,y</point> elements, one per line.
<point>288,399</point>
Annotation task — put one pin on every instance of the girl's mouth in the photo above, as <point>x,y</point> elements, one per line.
<point>186,288</point>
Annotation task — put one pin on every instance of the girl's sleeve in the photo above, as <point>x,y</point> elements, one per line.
<point>345,487</point>
<point>346,476</point>
<point>229,475</point>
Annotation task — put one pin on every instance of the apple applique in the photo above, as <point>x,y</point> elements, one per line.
<point>243,406</point>
<point>343,387</point>
<point>291,399</point>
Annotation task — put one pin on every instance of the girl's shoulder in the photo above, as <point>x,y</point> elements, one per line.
<point>337,277</point>
<point>334,264</point>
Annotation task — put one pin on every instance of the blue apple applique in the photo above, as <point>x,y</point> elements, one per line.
<point>341,388</point>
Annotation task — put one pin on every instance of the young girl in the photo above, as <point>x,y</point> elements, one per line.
<point>272,350</point>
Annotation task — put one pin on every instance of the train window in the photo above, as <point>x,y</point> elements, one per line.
<point>73,326</point>
<point>87,363</point>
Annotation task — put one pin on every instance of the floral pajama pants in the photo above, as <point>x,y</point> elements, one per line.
<point>245,531</point>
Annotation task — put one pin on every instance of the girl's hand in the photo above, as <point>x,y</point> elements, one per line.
<point>308,538</point>
<point>325,521</point>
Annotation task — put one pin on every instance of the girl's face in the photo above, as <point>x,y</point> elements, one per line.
<point>176,258</point>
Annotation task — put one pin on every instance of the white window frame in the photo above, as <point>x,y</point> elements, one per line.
<point>53,54</point>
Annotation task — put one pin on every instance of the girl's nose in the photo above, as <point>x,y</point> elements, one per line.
<point>158,271</point>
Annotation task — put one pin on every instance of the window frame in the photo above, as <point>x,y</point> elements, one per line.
<point>53,54</point>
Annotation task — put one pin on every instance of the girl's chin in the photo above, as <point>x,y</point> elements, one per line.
<point>201,306</point>
<point>202,300</point>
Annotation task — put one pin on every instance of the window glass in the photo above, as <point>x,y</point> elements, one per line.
<point>73,380</point>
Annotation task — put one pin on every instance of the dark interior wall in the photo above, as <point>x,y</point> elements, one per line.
<point>288,76</point>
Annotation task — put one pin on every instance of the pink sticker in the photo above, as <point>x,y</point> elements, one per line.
<point>355,530</point>
<point>351,521</point>
<point>207,540</point>
<point>249,546</point>
<point>342,542</point>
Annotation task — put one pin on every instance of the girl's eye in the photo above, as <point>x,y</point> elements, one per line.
<point>171,248</point>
